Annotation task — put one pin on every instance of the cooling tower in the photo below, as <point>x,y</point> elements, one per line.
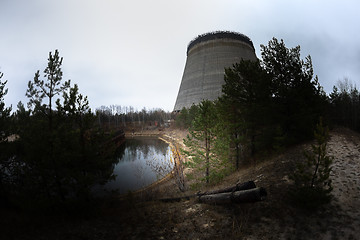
<point>207,57</point>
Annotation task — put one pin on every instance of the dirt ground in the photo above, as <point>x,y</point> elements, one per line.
<point>136,217</point>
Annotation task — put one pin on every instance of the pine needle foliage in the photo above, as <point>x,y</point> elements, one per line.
<point>312,177</point>
<point>206,153</point>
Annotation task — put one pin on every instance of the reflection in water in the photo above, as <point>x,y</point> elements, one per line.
<point>141,161</point>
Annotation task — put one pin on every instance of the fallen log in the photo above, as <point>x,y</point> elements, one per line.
<point>244,196</point>
<point>237,187</point>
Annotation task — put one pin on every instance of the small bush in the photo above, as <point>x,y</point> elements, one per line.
<point>310,198</point>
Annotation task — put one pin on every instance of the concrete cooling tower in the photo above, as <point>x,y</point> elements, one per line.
<point>207,57</point>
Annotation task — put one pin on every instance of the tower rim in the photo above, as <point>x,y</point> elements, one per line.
<point>219,35</point>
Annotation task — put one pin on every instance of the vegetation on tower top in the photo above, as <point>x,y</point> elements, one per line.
<point>219,35</point>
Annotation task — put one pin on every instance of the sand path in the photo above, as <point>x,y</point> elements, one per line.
<point>346,179</point>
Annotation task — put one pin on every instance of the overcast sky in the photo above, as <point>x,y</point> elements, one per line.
<point>134,52</point>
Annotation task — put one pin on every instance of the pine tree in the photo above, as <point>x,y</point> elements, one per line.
<point>298,98</point>
<point>312,177</point>
<point>246,106</point>
<point>200,140</point>
<point>49,89</point>
<point>5,152</point>
<point>182,118</point>
<point>61,152</point>
<point>4,111</point>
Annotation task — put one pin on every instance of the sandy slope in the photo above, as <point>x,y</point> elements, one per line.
<point>345,147</point>
<point>338,220</point>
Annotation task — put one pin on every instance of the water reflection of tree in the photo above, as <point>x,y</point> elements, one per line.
<point>160,146</point>
<point>155,152</point>
<point>137,146</point>
<point>161,164</point>
<point>120,151</point>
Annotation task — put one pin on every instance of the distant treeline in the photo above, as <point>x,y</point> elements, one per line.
<point>127,117</point>
<point>344,103</point>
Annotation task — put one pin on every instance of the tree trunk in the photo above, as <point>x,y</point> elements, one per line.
<point>245,196</point>
<point>316,166</point>
<point>234,140</point>
<point>207,162</point>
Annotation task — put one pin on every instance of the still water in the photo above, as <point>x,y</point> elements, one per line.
<point>141,161</point>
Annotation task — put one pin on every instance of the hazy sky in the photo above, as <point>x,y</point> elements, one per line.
<point>134,52</point>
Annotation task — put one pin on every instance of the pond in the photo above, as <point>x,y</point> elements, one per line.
<point>141,161</point>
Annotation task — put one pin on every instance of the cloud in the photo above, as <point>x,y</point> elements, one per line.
<point>134,52</point>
